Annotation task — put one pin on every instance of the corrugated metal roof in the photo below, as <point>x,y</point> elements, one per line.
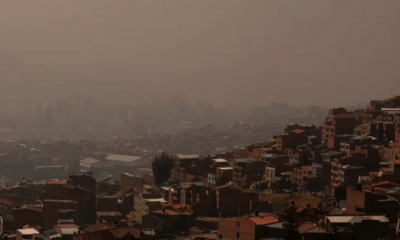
<point>188,156</point>
<point>122,158</point>
<point>28,231</point>
<point>356,218</point>
<point>219,160</point>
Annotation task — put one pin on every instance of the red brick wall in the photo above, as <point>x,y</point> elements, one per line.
<point>148,178</point>
<point>23,217</point>
<point>130,181</point>
<point>52,191</point>
<point>50,214</point>
<point>229,228</point>
<point>331,142</point>
<point>83,181</point>
<point>241,153</point>
<point>355,198</point>
<point>230,201</point>
<point>108,204</point>
<point>345,125</point>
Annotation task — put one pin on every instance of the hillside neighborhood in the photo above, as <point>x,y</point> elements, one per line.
<point>336,180</point>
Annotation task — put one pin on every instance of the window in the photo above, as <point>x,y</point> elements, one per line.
<point>237,235</point>
<point>359,209</point>
<point>155,224</point>
<point>238,224</point>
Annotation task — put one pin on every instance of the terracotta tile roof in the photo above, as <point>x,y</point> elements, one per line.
<point>385,183</point>
<point>6,202</point>
<point>119,233</point>
<point>262,220</point>
<point>56,182</point>
<point>32,207</point>
<point>370,107</point>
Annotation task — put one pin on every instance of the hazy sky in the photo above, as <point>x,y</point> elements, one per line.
<point>256,51</point>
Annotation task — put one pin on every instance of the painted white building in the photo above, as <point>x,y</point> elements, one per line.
<point>269,173</point>
<point>211,179</point>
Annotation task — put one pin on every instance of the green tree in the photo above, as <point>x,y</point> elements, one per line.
<point>162,166</point>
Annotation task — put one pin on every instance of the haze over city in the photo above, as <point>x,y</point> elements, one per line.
<point>200,120</point>
<point>326,53</point>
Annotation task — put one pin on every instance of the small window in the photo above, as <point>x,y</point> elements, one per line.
<point>155,224</point>
<point>359,209</point>
<point>237,235</point>
<point>238,224</point>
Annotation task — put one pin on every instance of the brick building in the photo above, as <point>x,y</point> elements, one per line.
<point>80,187</point>
<point>53,188</point>
<point>232,201</point>
<point>366,202</point>
<point>246,228</point>
<point>223,175</point>
<point>247,171</point>
<point>107,204</point>
<point>371,226</point>
<point>148,178</point>
<point>339,124</point>
<point>129,180</point>
<point>273,160</point>
<point>28,215</point>
<point>200,199</point>
<point>82,179</point>
<point>187,167</point>
<point>292,139</point>
<point>302,175</point>
<point>327,158</point>
<point>171,219</point>
<point>53,211</point>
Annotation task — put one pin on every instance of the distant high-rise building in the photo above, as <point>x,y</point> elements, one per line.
<point>48,122</point>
